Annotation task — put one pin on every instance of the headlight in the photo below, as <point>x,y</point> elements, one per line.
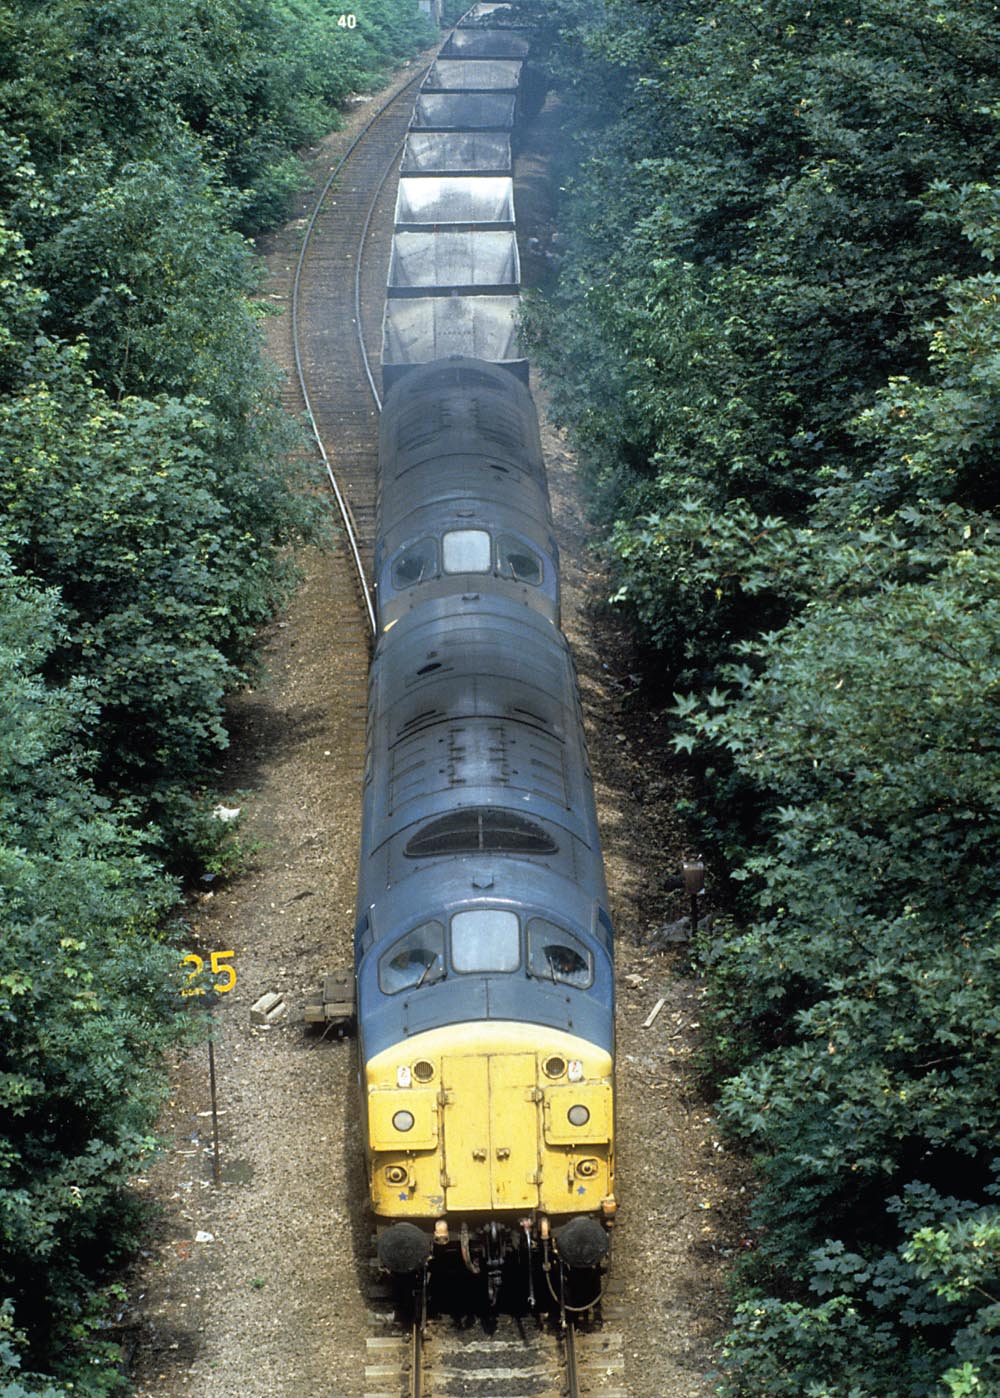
<point>403,1121</point>
<point>578,1115</point>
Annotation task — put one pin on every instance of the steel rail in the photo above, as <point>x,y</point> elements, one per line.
<point>416,1360</point>
<point>358,267</point>
<point>569,1348</point>
<point>343,504</point>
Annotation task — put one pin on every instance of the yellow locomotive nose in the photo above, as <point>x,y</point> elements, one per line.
<point>480,1122</point>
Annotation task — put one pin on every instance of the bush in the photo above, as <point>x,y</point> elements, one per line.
<point>87,995</point>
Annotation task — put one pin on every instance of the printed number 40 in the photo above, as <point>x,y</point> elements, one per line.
<point>219,968</point>
<point>347,22</point>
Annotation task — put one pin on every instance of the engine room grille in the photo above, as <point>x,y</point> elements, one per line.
<point>480,830</point>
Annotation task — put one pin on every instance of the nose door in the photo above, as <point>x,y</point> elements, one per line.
<point>514,1131</point>
<point>490,1128</point>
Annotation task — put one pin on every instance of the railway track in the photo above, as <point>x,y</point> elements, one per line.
<point>524,1353</point>
<point>510,1356</point>
<point>340,281</point>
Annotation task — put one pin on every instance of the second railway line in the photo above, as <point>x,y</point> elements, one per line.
<point>337,301</point>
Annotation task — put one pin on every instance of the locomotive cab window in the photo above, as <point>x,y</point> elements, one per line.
<point>467,551</point>
<point>485,939</point>
<point>555,954</point>
<point>415,564</point>
<point>416,959</point>
<point>515,560</point>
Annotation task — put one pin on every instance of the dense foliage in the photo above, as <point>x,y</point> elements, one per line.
<point>147,506</point>
<point>776,335</point>
<point>87,1001</point>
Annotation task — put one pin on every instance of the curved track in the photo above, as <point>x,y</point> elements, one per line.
<point>333,288</point>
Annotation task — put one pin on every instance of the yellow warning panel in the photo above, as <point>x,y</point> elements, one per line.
<point>490,1119</point>
<point>403,1119</point>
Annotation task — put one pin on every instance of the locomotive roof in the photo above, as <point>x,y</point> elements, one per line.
<point>440,887</point>
<point>473,703</point>
<point>461,644</point>
<point>430,501</point>
<point>459,418</point>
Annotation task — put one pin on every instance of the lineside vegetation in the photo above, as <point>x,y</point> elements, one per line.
<point>775,334</point>
<point>146,511</point>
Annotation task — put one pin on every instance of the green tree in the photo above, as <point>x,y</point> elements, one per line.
<point>87,998</point>
<point>775,334</point>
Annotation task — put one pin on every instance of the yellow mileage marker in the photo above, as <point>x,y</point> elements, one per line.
<point>219,963</point>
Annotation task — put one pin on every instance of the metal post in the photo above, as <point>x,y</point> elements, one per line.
<point>694,883</point>
<point>216,1163</point>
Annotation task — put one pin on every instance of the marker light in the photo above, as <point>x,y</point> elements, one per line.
<point>403,1121</point>
<point>578,1115</point>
